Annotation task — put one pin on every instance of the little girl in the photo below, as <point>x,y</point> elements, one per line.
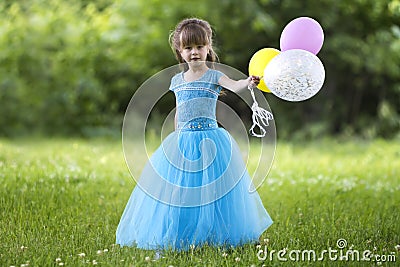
<point>198,181</point>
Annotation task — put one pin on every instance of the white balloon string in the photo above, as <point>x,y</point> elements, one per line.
<point>260,117</point>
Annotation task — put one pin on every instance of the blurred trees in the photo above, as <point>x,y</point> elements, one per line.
<point>71,67</point>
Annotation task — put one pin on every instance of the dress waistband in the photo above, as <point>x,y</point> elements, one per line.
<point>199,124</point>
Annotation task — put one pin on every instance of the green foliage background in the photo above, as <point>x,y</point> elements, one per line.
<point>71,67</point>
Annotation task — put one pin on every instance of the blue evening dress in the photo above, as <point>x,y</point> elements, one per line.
<point>195,188</point>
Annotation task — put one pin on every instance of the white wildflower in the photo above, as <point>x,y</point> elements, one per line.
<point>157,255</point>
<point>147,258</point>
<point>237,259</point>
<point>82,255</point>
<point>58,259</point>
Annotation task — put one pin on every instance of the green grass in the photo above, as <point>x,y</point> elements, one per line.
<point>64,197</point>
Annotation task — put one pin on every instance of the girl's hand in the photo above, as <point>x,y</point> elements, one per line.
<point>254,81</point>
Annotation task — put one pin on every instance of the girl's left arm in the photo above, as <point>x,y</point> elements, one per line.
<point>239,85</point>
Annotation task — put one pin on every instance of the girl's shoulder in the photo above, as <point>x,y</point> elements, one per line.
<point>177,76</point>
<point>214,75</point>
<point>176,80</point>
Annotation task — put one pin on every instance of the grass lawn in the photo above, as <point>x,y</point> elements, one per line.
<point>61,201</point>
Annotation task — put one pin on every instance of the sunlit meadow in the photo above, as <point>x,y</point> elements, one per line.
<point>61,200</point>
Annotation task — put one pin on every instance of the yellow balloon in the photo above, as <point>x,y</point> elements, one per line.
<point>259,61</point>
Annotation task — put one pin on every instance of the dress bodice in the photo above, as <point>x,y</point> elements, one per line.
<point>196,100</point>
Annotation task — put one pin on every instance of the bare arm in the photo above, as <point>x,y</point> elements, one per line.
<point>176,116</point>
<point>175,121</point>
<point>239,85</point>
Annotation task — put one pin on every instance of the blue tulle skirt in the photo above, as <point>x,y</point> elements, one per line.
<point>194,190</point>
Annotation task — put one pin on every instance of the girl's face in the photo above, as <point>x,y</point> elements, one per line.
<point>193,53</point>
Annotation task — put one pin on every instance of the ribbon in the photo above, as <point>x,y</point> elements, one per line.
<point>260,116</point>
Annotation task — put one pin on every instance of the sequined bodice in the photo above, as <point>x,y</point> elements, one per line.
<point>196,100</point>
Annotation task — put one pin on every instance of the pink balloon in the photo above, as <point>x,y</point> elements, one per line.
<point>302,33</point>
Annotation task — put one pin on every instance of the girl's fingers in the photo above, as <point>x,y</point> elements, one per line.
<point>255,79</point>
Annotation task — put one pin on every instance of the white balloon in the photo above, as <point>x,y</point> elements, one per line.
<point>294,75</point>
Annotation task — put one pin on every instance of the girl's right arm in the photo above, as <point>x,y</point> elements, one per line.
<point>176,115</point>
<point>175,120</point>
